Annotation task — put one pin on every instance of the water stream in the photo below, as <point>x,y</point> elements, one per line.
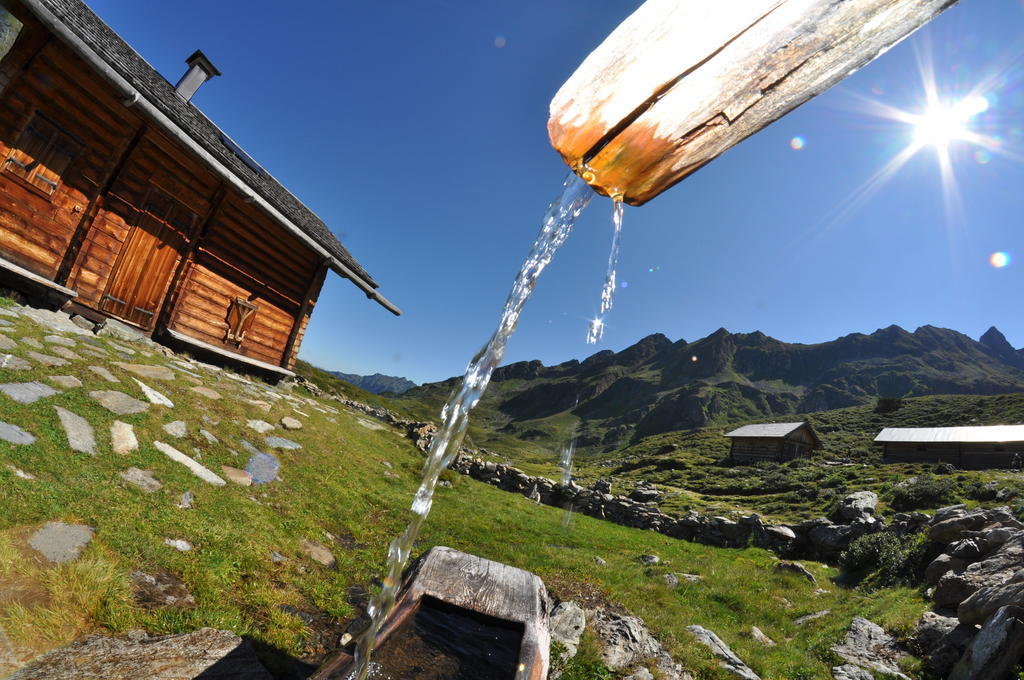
<point>558,222</point>
<point>596,330</point>
<point>566,464</point>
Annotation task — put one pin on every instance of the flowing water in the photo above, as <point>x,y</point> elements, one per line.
<point>558,222</point>
<point>596,330</point>
<point>566,464</point>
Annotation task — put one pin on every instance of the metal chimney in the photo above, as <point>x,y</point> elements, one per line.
<point>200,69</point>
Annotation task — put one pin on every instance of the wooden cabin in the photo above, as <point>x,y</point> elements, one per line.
<point>772,441</point>
<point>119,197</point>
<point>986,446</point>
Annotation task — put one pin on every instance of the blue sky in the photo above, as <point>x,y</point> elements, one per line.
<point>417,131</point>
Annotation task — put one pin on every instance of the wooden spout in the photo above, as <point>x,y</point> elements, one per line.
<point>680,81</point>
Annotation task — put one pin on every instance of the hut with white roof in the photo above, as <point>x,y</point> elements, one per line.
<point>983,446</point>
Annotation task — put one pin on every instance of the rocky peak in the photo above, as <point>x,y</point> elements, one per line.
<point>995,344</point>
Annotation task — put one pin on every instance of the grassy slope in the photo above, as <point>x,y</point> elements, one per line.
<point>337,484</point>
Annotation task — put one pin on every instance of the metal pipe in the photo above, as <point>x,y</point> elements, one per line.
<point>167,125</point>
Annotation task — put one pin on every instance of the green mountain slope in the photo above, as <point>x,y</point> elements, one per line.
<point>613,399</point>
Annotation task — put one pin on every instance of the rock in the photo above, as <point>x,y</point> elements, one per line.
<point>32,342</point>
<point>197,469</point>
<point>671,580</point>
<point>949,649</point>
<point>65,353</point>
<point>264,406</point>
<point>795,568</point>
<point>627,642</point>
<point>153,396</point>
<point>141,478</point>
<point>119,403</point>
<point>206,653</point>
<point>28,392</point>
<point>281,443</point>
<point>260,426</point>
<point>186,501</point>
<point>6,344</point>
<point>104,373</point>
<point>60,543</point>
<point>930,630</point>
<point>83,323</point>
<point>986,601</point>
<point>12,434</point>
<point>645,495</point>
<point>208,436</point>
<point>996,650</point>
<point>951,524</point>
<point>160,590</point>
<point>650,559</point>
<point>277,557</point>
<point>78,431</point>
<point>13,363</point>
<point>640,674</point>
<point>121,331</point>
<point>176,428</point>
<point>566,626</point>
<point>206,392</point>
<point>758,635</point>
<point>599,561</point>
<point>726,658</point>
<point>867,645</point>
<point>262,467</point>
<point>45,359</point>
<point>122,438</point>
<point>850,672</point>
<point>938,567</point>
<point>240,477</point>
<point>66,381</point>
<point>178,544</point>
<point>290,423</point>
<point>801,620</point>
<point>995,569</point>
<point>319,553</point>
<point>858,504</point>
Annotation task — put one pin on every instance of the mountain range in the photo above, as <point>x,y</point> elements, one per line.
<point>376,383</point>
<point>613,398</point>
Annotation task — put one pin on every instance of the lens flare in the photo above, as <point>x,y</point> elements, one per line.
<point>797,143</point>
<point>999,260</point>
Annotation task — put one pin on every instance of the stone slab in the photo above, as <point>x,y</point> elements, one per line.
<point>59,340</point>
<point>122,438</point>
<point>147,371</point>
<point>154,396</point>
<point>78,430</point>
<point>141,478</point>
<point>46,359</point>
<point>65,353</point>
<point>176,428</point>
<point>6,343</point>
<point>209,436</point>
<point>60,542</point>
<point>65,381</point>
<point>13,363</point>
<point>119,403</point>
<point>104,373</point>
<point>12,434</point>
<point>260,426</point>
<point>27,392</point>
<point>290,423</point>
<point>32,342</point>
<point>206,392</point>
<point>281,443</point>
<point>240,477</point>
<point>197,469</point>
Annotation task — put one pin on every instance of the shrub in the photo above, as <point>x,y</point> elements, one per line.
<point>887,560</point>
<point>888,404</point>
<point>925,491</point>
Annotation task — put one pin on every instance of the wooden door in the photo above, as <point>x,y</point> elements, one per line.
<point>139,280</point>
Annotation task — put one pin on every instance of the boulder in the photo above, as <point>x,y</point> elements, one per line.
<point>997,568</point>
<point>850,672</point>
<point>626,642</point>
<point>867,645</point>
<point>949,648</point>
<point>207,653</point>
<point>986,601</point>
<point>931,629</point>
<point>566,626</point>
<point>952,528</point>
<point>857,504</point>
<point>796,568</point>
<point>996,650</point>
<point>727,659</point>
<point>942,564</point>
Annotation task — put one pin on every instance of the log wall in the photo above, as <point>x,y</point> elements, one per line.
<point>41,76</point>
<point>77,234</point>
<point>967,456</point>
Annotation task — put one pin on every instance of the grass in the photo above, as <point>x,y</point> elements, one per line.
<point>337,491</point>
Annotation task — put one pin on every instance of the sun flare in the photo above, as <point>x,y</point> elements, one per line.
<point>942,124</point>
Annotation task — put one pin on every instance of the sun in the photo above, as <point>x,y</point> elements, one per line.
<point>941,124</point>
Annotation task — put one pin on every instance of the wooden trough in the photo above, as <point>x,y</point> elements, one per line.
<point>680,81</point>
<point>472,606</point>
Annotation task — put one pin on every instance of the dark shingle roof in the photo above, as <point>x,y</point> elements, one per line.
<point>128,64</point>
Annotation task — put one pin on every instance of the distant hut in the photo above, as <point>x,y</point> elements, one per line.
<point>772,441</point>
<point>984,446</point>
